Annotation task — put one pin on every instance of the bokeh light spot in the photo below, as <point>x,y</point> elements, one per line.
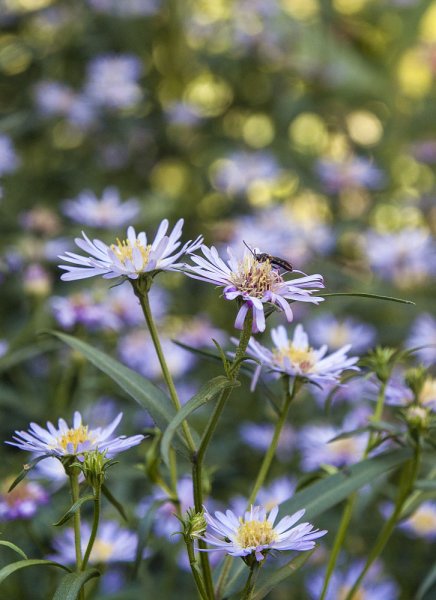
<point>364,128</point>
<point>258,131</point>
<point>309,133</point>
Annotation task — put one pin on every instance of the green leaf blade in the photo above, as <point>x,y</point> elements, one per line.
<point>211,389</point>
<point>71,584</point>
<point>23,564</point>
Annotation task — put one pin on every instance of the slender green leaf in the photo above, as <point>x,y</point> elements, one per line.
<point>279,575</point>
<point>372,296</point>
<point>148,395</point>
<point>73,509</point>
<point>111,498</point>
<point>206,393</point>
<point>26,470</point>
<point>425,484</point>
<point>72,583</point>
<point>13,547</point>
<point>322,495</point>
<point>23,564</point>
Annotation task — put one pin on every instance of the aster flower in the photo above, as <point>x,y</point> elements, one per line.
<point>295,357</point>
<point>376,586</point>
<point>259,436</point>
<point>107,212</point>
<point>128,258</point>
<point>423,521</point>
<point>112,81</point>
<point>112,544</point>
<point>423,337</point>
<point>22,502</point>
<point>253,534</point>
<point>337,332</point>
<point>254,283</point>
<point>72,441</point>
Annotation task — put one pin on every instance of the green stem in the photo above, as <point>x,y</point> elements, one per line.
<point>407,481</point>
<point>195,570</point>
<point>95,523</point>
<point>248,590</point>
<point>198,457</point>
<point>73,474</point>
<point>269,456</point>
<point>349,505</point>
<point>142,295</point>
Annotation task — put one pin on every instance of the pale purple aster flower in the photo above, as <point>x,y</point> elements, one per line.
<point>52,470</point>
<point>375,586</point>
<point>126,308</point>
<point>405,257</point>
<point>129,258</point>
<point>85,309</point>
<point>253,282</point>
<point>354,172</point>
<point>354,390</point>
<point>57,99</point>
<point>337,332</point>
<point>398,393</point>
<point>423,521</point>
<point>106,212</point>
<point>295,357</point>
<point>166,522</point>
<point>317,449</point>
<point>283,234</point>
<point>253,533</point>
<point>112,81</point>
<point>259,436</point>
<point>9,161</point>
<point>136,350</point>
<point>72,441</point>
<point>36,280</point>
<point>235,173</point>
<point>22,502</point>
<point>112,544</point>
<point>423,333</point>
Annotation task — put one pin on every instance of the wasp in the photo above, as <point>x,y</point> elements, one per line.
<point>274,260</point>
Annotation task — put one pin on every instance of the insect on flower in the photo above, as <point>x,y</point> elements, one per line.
<point>281,263</point>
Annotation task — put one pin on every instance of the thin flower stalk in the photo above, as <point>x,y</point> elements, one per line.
<point>269,456</point>
<point>349,505</point>
<point>198,457</point>
<point>409,475</point>
<point>73,474</point>
<point>95,524</point>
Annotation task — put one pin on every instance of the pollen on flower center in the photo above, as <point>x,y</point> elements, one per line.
<point>303,358</point>
<point>252,534</point>
<point>102,550</point>
<point>255,278</point>
<point>123,249</point>
<point>75,437</point>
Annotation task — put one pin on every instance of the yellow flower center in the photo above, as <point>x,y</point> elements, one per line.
<point>102,551</point>
<point>255,278</point>
<point>255,533</point>
<point>346,446</point>
<point>339,335</point>
<point>303,358</point>
<point>74,437</point>
<point>345,590</point>
<point>124,251</point>
<point>428,392</point>
<point>423,521</point>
